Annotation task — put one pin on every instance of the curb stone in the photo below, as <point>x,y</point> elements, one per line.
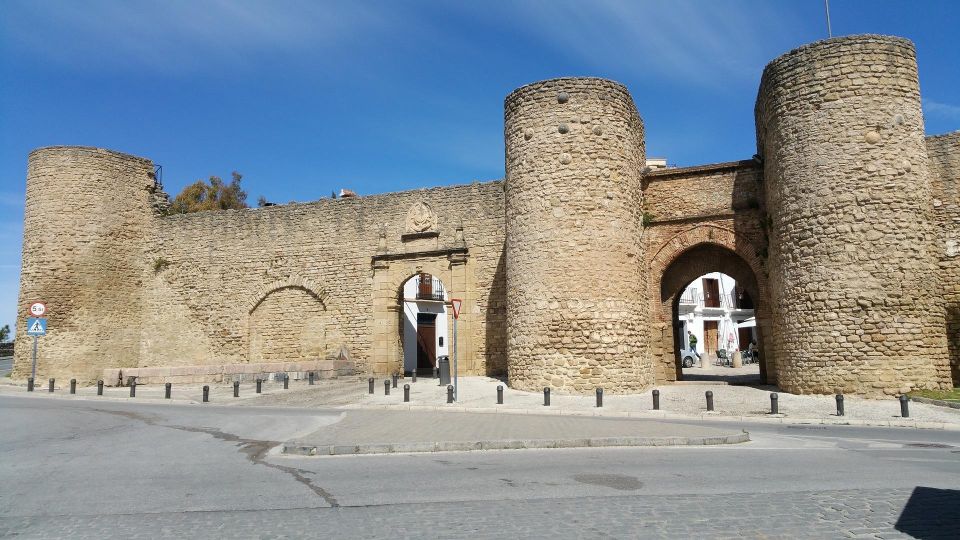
<point>661,414</point>
<point>938,402</point>
<point>299,449</point>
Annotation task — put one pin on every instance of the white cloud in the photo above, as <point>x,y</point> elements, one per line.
<point>694,41</point>
<point>941,110</point>
<point>179,35</point>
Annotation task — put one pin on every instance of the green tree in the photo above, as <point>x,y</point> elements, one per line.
<point>215,195</point>
<point>5,333</point>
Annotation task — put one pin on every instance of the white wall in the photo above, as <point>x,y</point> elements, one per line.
<point>726,324</point>
<point>410,310</point>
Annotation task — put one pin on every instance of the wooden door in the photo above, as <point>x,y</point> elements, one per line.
<point>426,340</point>
<point>710,337</point>
<point>746,336</point>
<point>711,293</point>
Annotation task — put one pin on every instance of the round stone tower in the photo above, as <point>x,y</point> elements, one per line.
<point>574,154</point>
<point>85,226</point>
<point>852,266</point>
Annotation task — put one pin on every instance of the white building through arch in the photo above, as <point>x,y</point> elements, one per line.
<point>719,313</point>
<point>426,335</point>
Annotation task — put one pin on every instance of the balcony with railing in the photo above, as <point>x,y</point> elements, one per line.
<point>694,297</point>
<point>430,288</point>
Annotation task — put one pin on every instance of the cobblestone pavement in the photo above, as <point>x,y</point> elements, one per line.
<point>888,513</point>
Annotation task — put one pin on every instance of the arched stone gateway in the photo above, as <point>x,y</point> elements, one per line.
<point>697,252</point>
<point>842,229</point>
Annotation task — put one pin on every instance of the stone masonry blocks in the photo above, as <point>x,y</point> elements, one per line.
<point>840,131</point>
<point>575,283</point>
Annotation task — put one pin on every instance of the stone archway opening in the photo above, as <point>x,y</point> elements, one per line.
<point>424,323</point>
<point>711,292</point>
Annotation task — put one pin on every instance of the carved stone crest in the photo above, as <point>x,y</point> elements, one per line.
<point>421,218</point>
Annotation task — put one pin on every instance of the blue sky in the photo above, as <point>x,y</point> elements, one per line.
<point>305,97</point>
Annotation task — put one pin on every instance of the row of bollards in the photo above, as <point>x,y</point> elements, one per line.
<point>774,398</point>
<point>168,387</point>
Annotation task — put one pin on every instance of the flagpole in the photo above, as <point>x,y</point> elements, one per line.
<point>826,7</point>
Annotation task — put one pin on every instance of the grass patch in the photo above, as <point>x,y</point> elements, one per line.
<point>944,395</point>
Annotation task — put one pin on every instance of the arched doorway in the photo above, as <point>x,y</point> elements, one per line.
<point>709,251</point>
<point>714,319</point>
<point>424,328</point>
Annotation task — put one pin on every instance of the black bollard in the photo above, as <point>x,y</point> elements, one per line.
<point>386,387</point>
<point>599,397</point>
<point>100,388</point>
<point>656,400</point>
<point>259,384</point>
<point>73,386</point>
<point>499,394</point>
<point>286,381</point>
<point>370,384</point>
<point>206,393</point>
<point>436,373</point>
<point>29,384</point>
<point>167,388</point>
<point>904,407</point>
<point>774,406</point>
<point>133,388</point>
<point>51,384</point>
<point>709,400</point>
<point>449,393</point>
<point>310,378</point>
<point>413,375</point>
<point>546,397</point>
<point>395,377</point>
<point>406,393</point>
<point>236,388</point>
<point>839,404</point>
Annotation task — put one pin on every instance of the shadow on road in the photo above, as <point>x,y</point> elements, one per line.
<point>931,514</point>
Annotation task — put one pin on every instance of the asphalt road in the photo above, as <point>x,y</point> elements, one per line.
<point>73,468</point>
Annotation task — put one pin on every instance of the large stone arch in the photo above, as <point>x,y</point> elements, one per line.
<point>261,293</point>
<point>688,254</point>
<point>288,320</point>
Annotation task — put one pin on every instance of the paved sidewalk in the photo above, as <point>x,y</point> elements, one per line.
<point>379,432</point>
<point>324,393</point>
<point>731,403</point>
<point>478,394</point>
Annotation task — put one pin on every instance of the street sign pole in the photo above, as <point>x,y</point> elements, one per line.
<point>455,304</point>
<point>36,327</point>
<point>456,395</point>
<point>33,372</point>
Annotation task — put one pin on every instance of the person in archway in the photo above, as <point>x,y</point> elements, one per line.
<point>692,339</point>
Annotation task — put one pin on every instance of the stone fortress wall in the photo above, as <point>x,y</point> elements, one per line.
<point>841,230</point>
<point>944,155</point>
<point>575,282</point>
<point>852,246</point>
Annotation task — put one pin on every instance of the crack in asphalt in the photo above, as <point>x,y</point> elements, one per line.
<point>255,450</point>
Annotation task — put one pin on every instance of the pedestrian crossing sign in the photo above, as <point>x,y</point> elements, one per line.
<point>36,326</point>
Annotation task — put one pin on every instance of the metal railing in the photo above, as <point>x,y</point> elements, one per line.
<point>430,288</point>
<point>695,297</point>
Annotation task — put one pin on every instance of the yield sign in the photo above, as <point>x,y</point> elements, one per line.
<point>456,303</point>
